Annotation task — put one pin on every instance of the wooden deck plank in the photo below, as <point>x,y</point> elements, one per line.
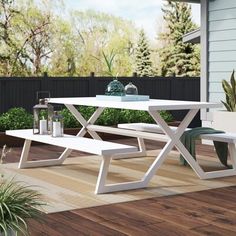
<point>218,198</point>
<point>131,215</point>
<point>214,231</point>
<point>168,213</point>
<point>85,225</point>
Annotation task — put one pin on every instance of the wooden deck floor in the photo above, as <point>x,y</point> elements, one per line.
<point>211,212</point>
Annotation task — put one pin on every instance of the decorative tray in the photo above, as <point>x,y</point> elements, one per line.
<point>126,98</point>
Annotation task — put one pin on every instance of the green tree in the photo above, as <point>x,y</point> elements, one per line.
<point>11,55</point>
<point>66,50</point>
<point>98,33</point>
<point>24,38</point>
<point>178,58</point>
<point>143,62</point>
<point>36,36</point>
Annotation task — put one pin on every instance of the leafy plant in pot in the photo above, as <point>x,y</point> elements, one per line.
<point>224,120</point>
<point>230,93</point>
<point>18,203</point>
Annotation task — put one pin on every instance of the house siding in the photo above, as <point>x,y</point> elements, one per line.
<point>221,45</point>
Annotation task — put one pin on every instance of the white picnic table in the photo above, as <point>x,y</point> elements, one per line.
<point>153,107</point>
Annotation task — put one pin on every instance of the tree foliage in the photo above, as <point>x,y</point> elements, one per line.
<point>34,39</point>
<point>142,56</point>
<point>100,34</point>
<point>36,34</point>
<point>178,58</point>
<point>9,47</point>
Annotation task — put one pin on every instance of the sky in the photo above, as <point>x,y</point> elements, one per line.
<point>144,13</point>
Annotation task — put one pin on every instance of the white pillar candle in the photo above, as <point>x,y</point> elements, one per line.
<point>56,129</point>
<point>43,126</point>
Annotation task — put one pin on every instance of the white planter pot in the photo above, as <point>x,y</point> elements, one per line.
<point>224,120</point>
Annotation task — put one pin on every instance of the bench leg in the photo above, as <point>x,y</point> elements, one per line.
<point>141,145</point>
<point>232,154</point>
<point>141,153</point>
<point>24,154</point>
<point>226,172</point>
<point>102,187</point>
<point>24,163</point>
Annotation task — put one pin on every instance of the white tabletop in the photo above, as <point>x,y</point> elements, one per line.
<point>151,105</point>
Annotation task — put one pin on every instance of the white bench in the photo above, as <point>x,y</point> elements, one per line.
<point>229,138</point>
<point>98,147</point>
<point>153,128</point>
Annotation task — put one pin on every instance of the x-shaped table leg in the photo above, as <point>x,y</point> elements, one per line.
<point>174,141</point>
<point>84,124</point>
<point>174,136</point>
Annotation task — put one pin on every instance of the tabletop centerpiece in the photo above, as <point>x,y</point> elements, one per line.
<point>116,91</point>
<point>131,89</point>
<point>115,88</point>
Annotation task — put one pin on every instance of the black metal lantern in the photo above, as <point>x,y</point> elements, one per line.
<point>42,113</point>
<point>57,125</point>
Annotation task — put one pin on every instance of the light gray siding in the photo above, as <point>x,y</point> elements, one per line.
<point>222,35</point>
<point>222,45</point>
<point>218,46</point>
<point>220,5</point>
<point>222,56</point>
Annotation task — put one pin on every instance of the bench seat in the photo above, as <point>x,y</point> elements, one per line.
<point>153,128</point>
<point>97,147</point>
<point>107,150</point>
<point>229,138</point>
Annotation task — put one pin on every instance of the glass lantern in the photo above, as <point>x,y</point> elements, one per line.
<point>42,113</point>
<point>57,125</point>
<point>131,89</point>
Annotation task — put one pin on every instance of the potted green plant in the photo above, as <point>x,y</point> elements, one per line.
<point>18,203</point>
<point>224,119</point>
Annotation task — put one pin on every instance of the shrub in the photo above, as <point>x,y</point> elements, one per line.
<point>86,112</point>
<point>111,116</point>
<point>69,120</point>
<point>131,116</point>
<point>16,118</point>
<point>167,116</point>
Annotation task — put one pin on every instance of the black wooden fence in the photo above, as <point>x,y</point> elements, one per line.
<point>21,92</point>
